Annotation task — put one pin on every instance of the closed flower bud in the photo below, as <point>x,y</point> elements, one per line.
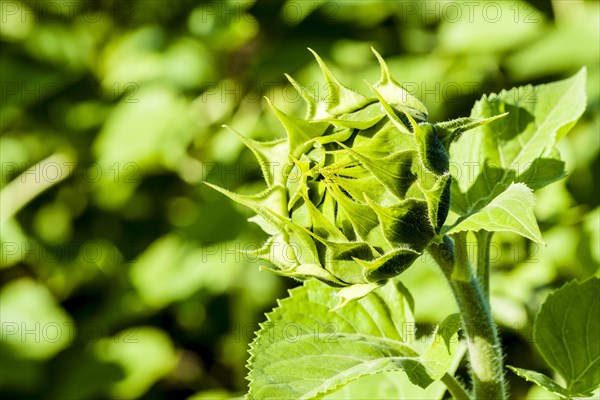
<point>358,189</point>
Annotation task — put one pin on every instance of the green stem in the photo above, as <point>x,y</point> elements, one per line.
<point>457,390</point>
<point>483,259</point>
<point>483,343</point>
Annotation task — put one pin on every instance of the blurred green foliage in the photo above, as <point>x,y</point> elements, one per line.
<point>118,274</point>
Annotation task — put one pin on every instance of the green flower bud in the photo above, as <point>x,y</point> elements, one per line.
<point>358,190</point>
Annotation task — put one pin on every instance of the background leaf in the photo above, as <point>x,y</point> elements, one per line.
<point>508,149</point>
<point>306,350</point>
<point>567,333</point>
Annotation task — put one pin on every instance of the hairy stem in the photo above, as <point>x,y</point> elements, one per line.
<point>457,391</point>
<point>483,343</point>
<point>483,259</point>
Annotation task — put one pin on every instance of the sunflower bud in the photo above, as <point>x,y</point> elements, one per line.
<point>358,189</point>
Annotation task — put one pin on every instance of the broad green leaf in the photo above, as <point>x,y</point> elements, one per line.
<point>393,385</point>
<point>511,211</point>
<point>542,172</point>
<point>437,356</point>
<point>387,385</point>
<point>509,149</point>
<point>567,334</point>
<point>545,382</point>
<point>307,349</point>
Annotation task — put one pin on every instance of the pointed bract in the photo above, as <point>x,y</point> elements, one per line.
<point>276,251</point>
<point>389,265</point>
<point>271,156</point>
<point>449,131</point>
<point>393,171</point>
<point>339,99</point>
<point>355,292</point>
<point>268,204</point>
<point>394,92</point>
<point>431,150</point>
<point>309,99</point>
<point>300,132</point>
<point>306,271</point>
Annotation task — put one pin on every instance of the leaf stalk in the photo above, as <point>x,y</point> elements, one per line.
<point>483,259</point>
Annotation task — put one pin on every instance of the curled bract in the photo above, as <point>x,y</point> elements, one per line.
<point>357,190</point>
